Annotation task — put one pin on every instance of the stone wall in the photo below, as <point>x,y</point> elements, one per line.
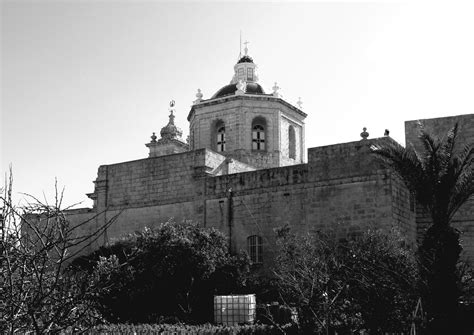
<point>237,113</point>
<point>464,219</point>
<point>341,189</point>
<point>285,123</point>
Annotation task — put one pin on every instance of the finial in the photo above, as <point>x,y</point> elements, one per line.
<point>387,132</point>
<point>153,137</point>
<point>172,103</point>
<point>275,89</point>
<point>171,117</point>
<point>246,49</point>
<point>364,133</point>
<point>299,103</point>
<point>198,96</point>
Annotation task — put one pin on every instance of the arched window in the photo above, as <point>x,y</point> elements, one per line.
<point>258,134</point>
<point>292,142</point>
<point>220,141</point>
<point>255,248</point>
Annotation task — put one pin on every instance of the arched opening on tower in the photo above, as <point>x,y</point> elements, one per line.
<point>219,136</point>
<point>291,142</point>
<point>259,126</point>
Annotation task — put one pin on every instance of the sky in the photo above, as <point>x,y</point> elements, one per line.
<point>85,83</point>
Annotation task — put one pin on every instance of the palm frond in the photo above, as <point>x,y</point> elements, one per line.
<point>406,164</point>
<point>462,191</point>
<point>446,151</point>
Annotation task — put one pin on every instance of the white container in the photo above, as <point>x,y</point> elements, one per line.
<point>232,310</point>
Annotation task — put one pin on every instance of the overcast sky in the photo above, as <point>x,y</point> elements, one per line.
<point>85,83</point>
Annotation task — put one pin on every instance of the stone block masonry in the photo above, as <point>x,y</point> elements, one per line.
<point>342,189</point>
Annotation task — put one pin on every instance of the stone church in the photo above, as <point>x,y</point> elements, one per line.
<point>243,171</point>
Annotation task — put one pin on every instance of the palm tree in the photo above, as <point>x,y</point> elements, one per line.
<point>441,177</point>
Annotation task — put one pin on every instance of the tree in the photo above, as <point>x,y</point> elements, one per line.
<point>384,277</point>
<point>344,286</point>
<point>310,271</point>
<point>441,177</point>
<point>171,271</point>
<point>37,292</point>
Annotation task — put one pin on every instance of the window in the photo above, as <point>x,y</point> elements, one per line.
<point>221,139</point>
<point>291,142</point>
<point>250,74</point>
<point>255,248</point>
<point>241,72</point>
<point>258,137</point>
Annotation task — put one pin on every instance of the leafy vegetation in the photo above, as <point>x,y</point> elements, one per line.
<point>206,329</point>
<point>367,283</point>
<point>168,273</point>
<point>442,178</point>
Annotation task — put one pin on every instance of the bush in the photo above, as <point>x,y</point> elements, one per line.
<point>207,329</point>
<point>171,271</point>
<point>365,283</point>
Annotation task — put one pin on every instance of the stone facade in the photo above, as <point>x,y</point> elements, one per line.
<point>243,172</point>
<point>238,113</point>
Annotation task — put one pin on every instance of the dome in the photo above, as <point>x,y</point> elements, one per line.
<point>245,59</point>
<point>170,131</point>
<point>251,88</point>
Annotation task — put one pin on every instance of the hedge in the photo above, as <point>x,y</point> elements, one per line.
<point>182,329</point>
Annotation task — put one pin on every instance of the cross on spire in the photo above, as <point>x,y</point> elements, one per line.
<point>246,49</point>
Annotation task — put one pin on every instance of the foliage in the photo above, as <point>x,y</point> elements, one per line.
<point>345,286</point>
<point>37,292</point>
<point>442,178</point>
<point>170,271</point>
<point>206,329</point>
<point>384,280</point>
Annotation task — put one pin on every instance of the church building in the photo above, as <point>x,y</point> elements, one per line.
<point>243,171</point>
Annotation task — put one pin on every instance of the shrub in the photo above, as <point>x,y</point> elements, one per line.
<point>207,329</point>
<point>348,285</point>
<point>170,271</point>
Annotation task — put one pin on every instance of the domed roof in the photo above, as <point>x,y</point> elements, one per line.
<point>245,59</point>
<point>170,131</point>
<point>251,88</point>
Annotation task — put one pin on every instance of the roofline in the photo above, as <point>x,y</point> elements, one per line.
<point>442,117</point>
<point>214,101</point>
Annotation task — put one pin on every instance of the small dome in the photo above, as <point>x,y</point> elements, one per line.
<point>251,88</point>
<point>245,59</point>
<point>170,131</point>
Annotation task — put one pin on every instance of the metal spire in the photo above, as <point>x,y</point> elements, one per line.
<point>240,44</point>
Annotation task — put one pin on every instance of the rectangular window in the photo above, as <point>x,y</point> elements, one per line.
<point>250,74</point>
<point>241,72</point>
<point>255,249</point>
